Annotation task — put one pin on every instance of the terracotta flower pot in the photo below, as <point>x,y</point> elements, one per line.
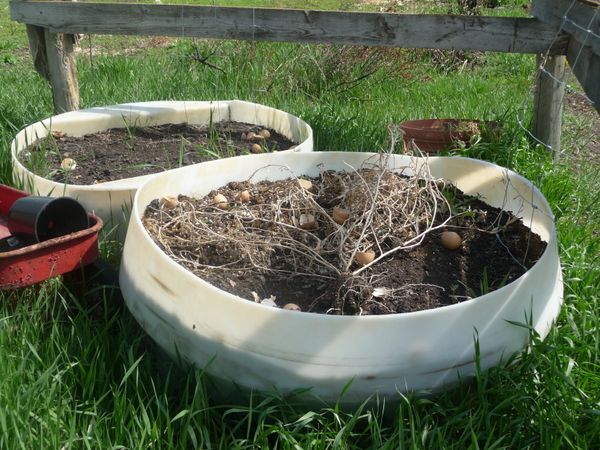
<point>434,135</point>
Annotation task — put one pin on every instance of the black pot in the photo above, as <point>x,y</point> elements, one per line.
<point>46,218</point>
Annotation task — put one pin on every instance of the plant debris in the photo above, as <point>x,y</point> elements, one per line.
<point>286,244</point>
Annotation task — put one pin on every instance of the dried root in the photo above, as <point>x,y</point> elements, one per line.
<point>334,227</point>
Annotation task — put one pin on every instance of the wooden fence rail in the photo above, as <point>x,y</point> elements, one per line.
<point>497,34</point>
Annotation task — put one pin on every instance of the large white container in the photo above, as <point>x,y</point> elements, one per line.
<point>260,347</point>
<point>112,200</point>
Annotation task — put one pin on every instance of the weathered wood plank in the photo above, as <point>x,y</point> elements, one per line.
<point>548,103</point>
<point>581,19</point>
<point>500,34</point>
<point>585,64</point>
<point>62,71</point>
<point>37,47</point>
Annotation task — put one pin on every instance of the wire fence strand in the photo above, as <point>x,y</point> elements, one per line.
<point>541,69</point>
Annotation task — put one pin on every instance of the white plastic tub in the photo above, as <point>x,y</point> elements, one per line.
<point>112,200</point>
<point>260,347</point>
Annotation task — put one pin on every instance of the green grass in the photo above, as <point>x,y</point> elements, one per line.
<point>82,374</point>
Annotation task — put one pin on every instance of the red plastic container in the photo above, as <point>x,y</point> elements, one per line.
<point>38,262</point>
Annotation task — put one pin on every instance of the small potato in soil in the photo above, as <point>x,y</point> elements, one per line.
<point>169,202</point>
<point>308,222</point>
<point>364,258</point>
<point>340,215</point>
<point>243,196</point>
<point>220,201</point>
<point>292,307</point>
<point>305,184</point>
<point>451,240</point>
<point>68,164</point>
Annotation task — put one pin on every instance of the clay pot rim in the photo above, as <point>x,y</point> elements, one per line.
<point>425,124</point>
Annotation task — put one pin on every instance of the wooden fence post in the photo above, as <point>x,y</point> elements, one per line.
<point>53,59</point>
<point>62,71</point>
<point>548,102</point>
<point>37,48</point>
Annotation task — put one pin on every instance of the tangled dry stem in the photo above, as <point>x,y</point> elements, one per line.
<point>389,210</point>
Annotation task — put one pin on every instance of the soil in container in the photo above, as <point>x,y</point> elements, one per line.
<point>364,242</point>
<point>120,153</point>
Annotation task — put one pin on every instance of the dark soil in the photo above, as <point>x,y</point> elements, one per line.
<point>120,153</point>
<point>497,248</point>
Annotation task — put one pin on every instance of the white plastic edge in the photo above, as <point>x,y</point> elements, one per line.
<point>178,308</point>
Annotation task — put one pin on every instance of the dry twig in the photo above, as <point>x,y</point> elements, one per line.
<point>388,212</point>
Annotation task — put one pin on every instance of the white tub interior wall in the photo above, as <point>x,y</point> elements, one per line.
<point>261,347</point>
<point>112,200</point>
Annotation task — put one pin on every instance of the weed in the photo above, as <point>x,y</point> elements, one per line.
<point>35,156</point>
<point>181,152</point>
<point>208,152</point>
<point>131,129</point>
